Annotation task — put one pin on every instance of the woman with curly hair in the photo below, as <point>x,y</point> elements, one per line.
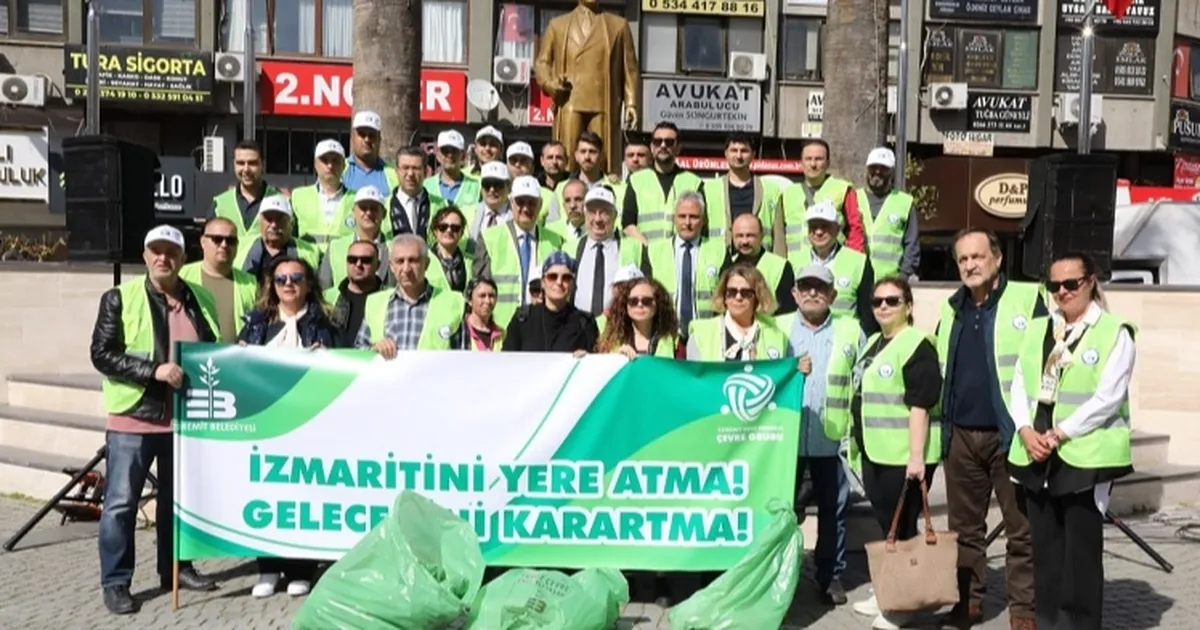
<point>641,321</point>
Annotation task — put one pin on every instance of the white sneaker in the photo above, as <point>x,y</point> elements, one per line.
<point>298,588</point>
<point>266,586</point>
<point>891,621</point>
<point>868,607</point>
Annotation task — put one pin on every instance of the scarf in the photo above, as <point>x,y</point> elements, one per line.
<point>289,336</point>
<point>743,347</point>
<point>454,269</point>
<point>1065,336</point>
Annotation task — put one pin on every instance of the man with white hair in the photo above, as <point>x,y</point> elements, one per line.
<point>688,263</point>
<point>893,236</point>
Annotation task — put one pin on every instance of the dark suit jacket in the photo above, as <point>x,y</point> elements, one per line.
<point>399,217</point>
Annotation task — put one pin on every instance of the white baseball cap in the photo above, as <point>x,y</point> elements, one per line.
<point>451,138</point>
<point>367,119</point>
<point>490,131</point>
<point>601,194</point>
<point>368,193</point>
<point>165,234</point>
<point>525,186</point>
<point>520,148</point>
<point>493,170</point>
<point>627,273</point>
<point>327,146</point>
<point>881,156</point>
<point>275,203</point>
<point>821,211</point>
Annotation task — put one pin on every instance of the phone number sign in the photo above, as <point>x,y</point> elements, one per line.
<point>736,8</point>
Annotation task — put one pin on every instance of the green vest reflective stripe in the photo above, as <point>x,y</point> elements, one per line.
<point>245,291</point>
<point>708,260</point>
<point>772,267</point>
<point>305,250</point>
<point>442,320</point>
<point>310,217</point>
<point>506,266</point>
<point>436,276</point>
<point>716,201</point>
<point>1014,312</point>
<point>795,205</point>
<point>884,414</point>
<point>137,327</point>
<point>1106,447</point>
<point>656,211</point>
<point>848,267</point>
<point>839,389</point>
<point>885,236</point>
<point>469,193</point>
<point>227,207</point>
<point>709,335</point>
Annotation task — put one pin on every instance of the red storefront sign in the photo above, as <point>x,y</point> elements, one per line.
<point>289,88</point>
<point>757,166</point>
<point>540,107</point>
<point>1187,170</point>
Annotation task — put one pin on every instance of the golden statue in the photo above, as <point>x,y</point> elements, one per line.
<point>588,66</point>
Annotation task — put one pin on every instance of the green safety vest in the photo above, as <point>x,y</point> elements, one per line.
<point>338,248</point>
<point>709,258</point>
<point>656,212</point>
<point>839,388</point>
<point>506,266</point>
<point>137,327</point>
<point>772,266</point>
<point>664,350</point>
<point>885,239</point>
<point>245,291</point>
<point>306,204</point>
<point>444,317</point>
<point>305,250</point>
<point>548,198</point>
<point>795,205</point>
<point>1108,446</point>
<point>709,335</point>
<point>884,414</point>
<point>469,193</point>
<point>716,202</point>
<point>436,276</point>
<point>848,267</point>
<point>389,174</point>
<point>227,207</point>
<point>560,227</point>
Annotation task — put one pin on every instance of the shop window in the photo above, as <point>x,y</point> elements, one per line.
<point>32,18</point>
<point>696,44</point>
<point>142,22</point>
<point>982,57</point>
<point>800,54</point>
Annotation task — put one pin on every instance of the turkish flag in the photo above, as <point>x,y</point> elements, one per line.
<point>1118,7</point>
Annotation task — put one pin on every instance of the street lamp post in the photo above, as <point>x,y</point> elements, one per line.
<point>250,84</point>
<point>1084,142</point>
<point>901,100</point>
<point>92,113</point>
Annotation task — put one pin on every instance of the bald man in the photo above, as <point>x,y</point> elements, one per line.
<point>747,248</point>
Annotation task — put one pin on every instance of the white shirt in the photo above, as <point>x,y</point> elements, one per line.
<point>825,262</point>
<point>410,207</point>
<point>1111,392</point>
<point>503,215</point>
<point>680,252</point>
<point>584,283</point>
<point>331,205</point>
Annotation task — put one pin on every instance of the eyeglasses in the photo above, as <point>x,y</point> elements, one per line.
<point>647,301</point>
<point>891,300</point>
<point>453,228</point>
<point>556,277</point>
<point>283,279</point>
<point>359,260</point>
<point>745,294</point>
<point>221,239</point>
<point>664,142</point>
<point>492,184</point>
<point>1071,285</point>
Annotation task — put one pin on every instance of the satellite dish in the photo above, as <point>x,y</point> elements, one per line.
<point>483,95</point>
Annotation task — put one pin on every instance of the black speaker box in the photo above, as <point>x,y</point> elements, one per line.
<point>1070,209</point>
<point>109,197</point>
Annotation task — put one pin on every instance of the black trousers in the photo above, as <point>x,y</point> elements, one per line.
<point>883,485</point>
<point>290,568</point>
<point>1068,560</point>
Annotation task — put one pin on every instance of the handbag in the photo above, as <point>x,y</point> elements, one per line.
<point>916,574</point>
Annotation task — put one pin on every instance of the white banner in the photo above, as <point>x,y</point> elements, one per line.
<point>25,165</point>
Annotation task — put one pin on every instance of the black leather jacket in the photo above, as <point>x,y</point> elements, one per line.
<point>111,360</point>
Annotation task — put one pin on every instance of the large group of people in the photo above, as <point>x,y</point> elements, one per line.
<point>1012,394</point>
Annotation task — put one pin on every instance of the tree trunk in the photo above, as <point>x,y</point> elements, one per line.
<point>855,42</point>
<point>387,68</point>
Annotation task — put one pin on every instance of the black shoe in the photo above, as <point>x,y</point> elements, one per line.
<point>189,580</point>
<point>833,594</point>
<point>118,601</point>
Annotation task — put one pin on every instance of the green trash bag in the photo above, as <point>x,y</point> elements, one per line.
<point>417,570</point>
<point>756,592</point>
<point>528,599</point>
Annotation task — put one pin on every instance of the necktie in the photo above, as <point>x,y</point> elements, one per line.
<point>526,252</point>
<point>687,296</point>
<point>598,276</point>
<point>491,220</point>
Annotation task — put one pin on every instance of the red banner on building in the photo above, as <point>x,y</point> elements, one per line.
<point>1187,170</point>
<point>768,165</point>
<point>541,107</point>
<point>327,90</point>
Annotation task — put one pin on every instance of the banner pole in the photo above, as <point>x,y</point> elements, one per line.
<point>177,413</point>
<point>175,586</point>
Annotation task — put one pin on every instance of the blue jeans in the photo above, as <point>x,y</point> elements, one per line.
<point>127,465</point>
<point>831,490</point>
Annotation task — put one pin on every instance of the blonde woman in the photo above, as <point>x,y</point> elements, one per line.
<point>743,329</point>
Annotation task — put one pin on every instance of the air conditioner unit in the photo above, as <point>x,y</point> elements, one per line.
<point>230,67</point>
<point>948,96</point>
<point>17,89</point>
<point>1068,109</point>
<point>214,155</point>
<point>510,71</point>
<point>745,66</point>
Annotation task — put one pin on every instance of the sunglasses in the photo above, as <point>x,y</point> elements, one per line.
<point>221,239</point>
<point>810,287</point>
<point>641,301</point>
<point>283,279</point>
<point>664,142</point>
<point>745,294</point>
<point>453,228</point>
<point>359,260</point>
<point>492,184</point>
<point>555,277</point>
<point>891,300</point>
<point>1071,285</point>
